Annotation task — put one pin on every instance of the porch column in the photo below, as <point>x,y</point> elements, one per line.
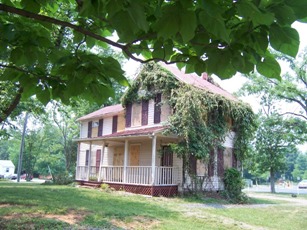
<point>78,160</point>
<point>89,162</point>
<point>153,159</point>
<point>125,161</point>
<point>215,173</point>
<point>101,159</point>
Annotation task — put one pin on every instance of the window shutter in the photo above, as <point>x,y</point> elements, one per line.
<point>157,110</point>
<point>145,112</point>
<point>211,164</point>
<point>128,115</point>
<point>114,124</point>
<point>100,127</point>
<point>89,129</point>
<point>234,160</point>
<point>220,163</point>
<point>87,155</point>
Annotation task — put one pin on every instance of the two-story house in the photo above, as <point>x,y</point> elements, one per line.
<point>126,147</point>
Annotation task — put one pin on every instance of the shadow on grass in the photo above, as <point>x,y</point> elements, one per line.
<point>101,207</point>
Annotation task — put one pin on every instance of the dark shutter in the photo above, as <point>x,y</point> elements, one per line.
<point>220,162</point>
<point>234,160</point>
<point>87,155</point>
<point>167,156</point>
<point>89,129</point>
<point>114,124</point>
<point>211,164</point>
<point>145,112</point>
<point>128,115</point>
<point>157,110</point>
<point>100,127</point>
<point>192,164</point>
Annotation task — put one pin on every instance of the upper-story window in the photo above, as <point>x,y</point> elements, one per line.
<point>100,127</point>
<point>145,112</point>
<point>157,109</point>
<point>89,129</point>
<point>114,124</point>
<point>128,115</point>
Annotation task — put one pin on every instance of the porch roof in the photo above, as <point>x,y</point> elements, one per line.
<point>128,133</point>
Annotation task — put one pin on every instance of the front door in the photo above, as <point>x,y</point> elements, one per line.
<point>167,165</point>
<point>134,155</point>
<point>98,158</point>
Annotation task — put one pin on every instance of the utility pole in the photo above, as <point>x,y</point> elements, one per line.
<point>22,147</point>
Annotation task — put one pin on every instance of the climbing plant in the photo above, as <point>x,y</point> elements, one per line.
<point>201,119</point>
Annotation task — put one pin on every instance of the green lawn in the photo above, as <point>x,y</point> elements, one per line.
<point>33,206</point>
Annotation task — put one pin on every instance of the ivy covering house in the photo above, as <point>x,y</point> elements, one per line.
<point>173,132</point>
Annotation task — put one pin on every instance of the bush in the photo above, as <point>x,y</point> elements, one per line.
<point>233,186</point>
<point>62,179</point>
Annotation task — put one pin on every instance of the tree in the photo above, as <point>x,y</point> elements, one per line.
<point>65,39</point>
<point>292,88</point>
<point>275,138</point>
<point>300,168</point>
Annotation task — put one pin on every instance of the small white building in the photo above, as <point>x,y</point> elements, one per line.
<point>6,168</point>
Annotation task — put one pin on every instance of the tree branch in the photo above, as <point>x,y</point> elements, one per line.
<point>12,106</point>
<point>124,48</point>
<point>295,114</point>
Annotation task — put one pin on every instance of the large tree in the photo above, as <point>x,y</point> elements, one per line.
<point>51,48</point>
<point>275,138</point>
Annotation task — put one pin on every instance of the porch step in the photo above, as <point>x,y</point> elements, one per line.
<point>92,184</point>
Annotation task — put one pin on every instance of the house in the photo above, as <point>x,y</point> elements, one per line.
<point>127,146</point>
<point>6,168</point>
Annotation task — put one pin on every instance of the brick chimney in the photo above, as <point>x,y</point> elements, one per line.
<point>204,76</point>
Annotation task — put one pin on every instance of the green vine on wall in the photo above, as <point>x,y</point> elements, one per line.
<point>201,118</point>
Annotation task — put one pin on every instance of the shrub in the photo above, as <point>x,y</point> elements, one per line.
<point>233,186</point>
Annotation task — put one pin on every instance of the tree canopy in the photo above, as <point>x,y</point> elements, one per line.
<point>51,49</point>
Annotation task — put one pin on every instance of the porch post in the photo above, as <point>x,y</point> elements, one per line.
<point>89,162</point>
<point>215,173</point>
<point>153,159</point>
<point>101,159</point>
<point>125,161</point>
<point>78,160</point>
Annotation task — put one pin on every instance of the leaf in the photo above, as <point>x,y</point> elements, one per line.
<point>284,14</point>
<point>269,67</point>
<point>215,26</point>
<point>299,7</point>
<point>187,25</point>
<point>284,39</point>
<point>137,15</point>
<point>30,5</point>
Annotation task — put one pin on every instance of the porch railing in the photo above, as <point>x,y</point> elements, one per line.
<point>134,174</point>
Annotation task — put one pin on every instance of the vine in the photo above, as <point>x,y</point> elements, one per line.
<point>201,118</point>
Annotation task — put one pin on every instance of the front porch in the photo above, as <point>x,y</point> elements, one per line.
<point>138,164</point>
<point>135,179</point>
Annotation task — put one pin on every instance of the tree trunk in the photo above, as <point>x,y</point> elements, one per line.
<point>272,180</point>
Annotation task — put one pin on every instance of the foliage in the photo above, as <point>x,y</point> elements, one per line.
<point>292,88</point>
<point>201,119</point>
<point>62,178</point>
<point>300,167</point>
<point>65,40</point>
<point>275,138</point>
<point>233,186</point>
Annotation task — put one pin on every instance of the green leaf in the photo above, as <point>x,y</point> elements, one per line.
<point>137,15</point>
<point>269,67</point>
<point>299,7</point>
<point>284,39</point>
<point>284,14</point>
<point>215,26</point>
<point>188,25</point>
<point>30,5</point>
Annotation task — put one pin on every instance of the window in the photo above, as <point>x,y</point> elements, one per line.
<point>145,112</point>
<point>114,124</point>
<point>89,129</point>
<point>87,155</point>
<point>157,110</point>
<point>7,170</point>
<point>128,115</point>
<point>100,128</point>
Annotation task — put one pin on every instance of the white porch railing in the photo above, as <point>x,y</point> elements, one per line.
<point>134,174</point>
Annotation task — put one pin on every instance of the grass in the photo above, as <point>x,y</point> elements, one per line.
<point>33,206</point>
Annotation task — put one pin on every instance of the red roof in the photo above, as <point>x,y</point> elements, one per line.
<point>104,112</point>
<point>193,79</point>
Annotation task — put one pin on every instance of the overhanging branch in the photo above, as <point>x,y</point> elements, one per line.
<point>124,48</point>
